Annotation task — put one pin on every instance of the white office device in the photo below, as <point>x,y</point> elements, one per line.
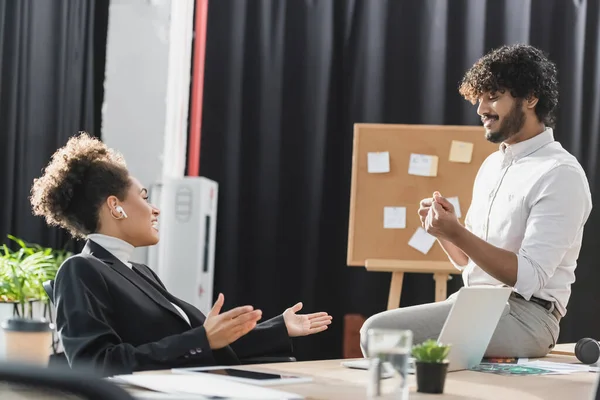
<point>184,257</point>
<point>471,323</point>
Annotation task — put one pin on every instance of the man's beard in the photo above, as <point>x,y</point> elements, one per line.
<point>511,124</point>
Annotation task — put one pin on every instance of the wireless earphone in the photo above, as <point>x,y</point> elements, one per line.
<point>587,350</point>
<point>120,209</point>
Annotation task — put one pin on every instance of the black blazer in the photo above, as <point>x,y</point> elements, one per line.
<point>116,320</point>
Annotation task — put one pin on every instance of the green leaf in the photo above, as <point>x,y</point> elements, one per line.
<point>23,272</point>
<point>430,351</point>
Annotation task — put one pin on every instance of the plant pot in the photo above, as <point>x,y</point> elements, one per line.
<point>431,377</point>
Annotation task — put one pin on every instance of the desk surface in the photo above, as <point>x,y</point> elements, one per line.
<point>334,382</point>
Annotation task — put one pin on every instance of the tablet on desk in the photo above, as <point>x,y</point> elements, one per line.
<point>245,376</point>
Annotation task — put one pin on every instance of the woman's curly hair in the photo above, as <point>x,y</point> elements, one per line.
<point>521,69</point>
<point>78,179</point>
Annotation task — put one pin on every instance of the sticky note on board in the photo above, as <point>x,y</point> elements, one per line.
<point>456,204</point>
<point>422,241</point>
<point>394,217</point>
<point>378,163</point>
<point>461,152</point>
<point>423,165</point>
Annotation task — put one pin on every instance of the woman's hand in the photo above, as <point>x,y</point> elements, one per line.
<point>307,324</point>
<point>224,329</point>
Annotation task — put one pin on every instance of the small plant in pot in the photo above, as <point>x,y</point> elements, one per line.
<point>431,366</point>
<point>23,272</point>
<point>23,299</point>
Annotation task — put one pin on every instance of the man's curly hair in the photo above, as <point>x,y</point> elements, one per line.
<point>79,178</point>
<point>521,69</point>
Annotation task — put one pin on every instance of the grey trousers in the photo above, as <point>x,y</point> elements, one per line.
<point>525,329</point>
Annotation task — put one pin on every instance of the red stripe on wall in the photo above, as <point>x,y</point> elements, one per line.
<point>195,132</point>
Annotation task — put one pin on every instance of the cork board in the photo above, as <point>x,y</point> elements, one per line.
<point>377,197</point>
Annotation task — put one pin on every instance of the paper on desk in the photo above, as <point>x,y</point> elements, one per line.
<point>423,165</point>
<point>378,163</point>
<point>149,395</point>
<point>454,201</point>
<point>394,217</point>
<point>421,241</point>
<point>564,368</point>
<point>504,360</point>
<point>524,367</point>
<point>203,386</point>
<point>511,369</point>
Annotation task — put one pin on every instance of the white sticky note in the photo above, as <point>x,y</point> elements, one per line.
<point>421,241</point>
<point>394,217</point>
<point>423,165</point>
<point>461,152</point>
<point>456,204</point>
<point>378,163</point>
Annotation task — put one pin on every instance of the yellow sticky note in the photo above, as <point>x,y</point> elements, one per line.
<point>423,165</point>
<point>461,151</point>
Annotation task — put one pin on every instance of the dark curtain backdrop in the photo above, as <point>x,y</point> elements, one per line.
<point>51,78</point>
<point>286,80</point>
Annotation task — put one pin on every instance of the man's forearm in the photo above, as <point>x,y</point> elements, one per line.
<point>454,253</point>
<point>499,263</point>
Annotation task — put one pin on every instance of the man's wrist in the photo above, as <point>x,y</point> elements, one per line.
<point>457,235</point>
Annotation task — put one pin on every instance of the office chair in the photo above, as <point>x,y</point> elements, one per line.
<point>49,288</point>
<point>27,381</point>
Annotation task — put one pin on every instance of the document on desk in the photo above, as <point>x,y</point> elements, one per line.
<point>203,387</point>
<point>563,368</point>
<point>536,367</point>
<point>149,395</point>
<point>511,369</point>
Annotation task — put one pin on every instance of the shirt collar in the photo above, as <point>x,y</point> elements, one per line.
<point>526,147</point>
<point>117,247</point>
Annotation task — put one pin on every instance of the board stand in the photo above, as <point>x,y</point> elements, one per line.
<point>441,271</point>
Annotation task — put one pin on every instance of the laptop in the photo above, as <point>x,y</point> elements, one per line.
<point>481,306</point>
<point>473,305</point>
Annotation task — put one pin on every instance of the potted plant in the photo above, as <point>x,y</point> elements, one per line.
<point>431,366</point>
<point>22,274</point>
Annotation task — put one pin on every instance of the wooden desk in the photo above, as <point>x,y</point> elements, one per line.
<point>334,382</point>
<point>564,349</point>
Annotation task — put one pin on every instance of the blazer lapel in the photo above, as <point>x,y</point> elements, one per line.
<point>106,257</point>
<point>196,317</point>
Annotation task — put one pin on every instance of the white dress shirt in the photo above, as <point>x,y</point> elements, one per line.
<point>531,198</point>
<point>123,251</point>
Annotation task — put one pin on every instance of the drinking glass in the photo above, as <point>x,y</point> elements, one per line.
<point>392,347</point>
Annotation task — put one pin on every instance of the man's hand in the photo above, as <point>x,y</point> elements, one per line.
<point>441,220</point>
<point>424,207</point>
<point>303,325</point>
<point>224,329</point>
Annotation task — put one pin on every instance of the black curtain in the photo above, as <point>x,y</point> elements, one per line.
<point>51,86</point>
<point>286,80</point>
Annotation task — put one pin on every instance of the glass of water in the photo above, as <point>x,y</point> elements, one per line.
<point>392,347</point>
